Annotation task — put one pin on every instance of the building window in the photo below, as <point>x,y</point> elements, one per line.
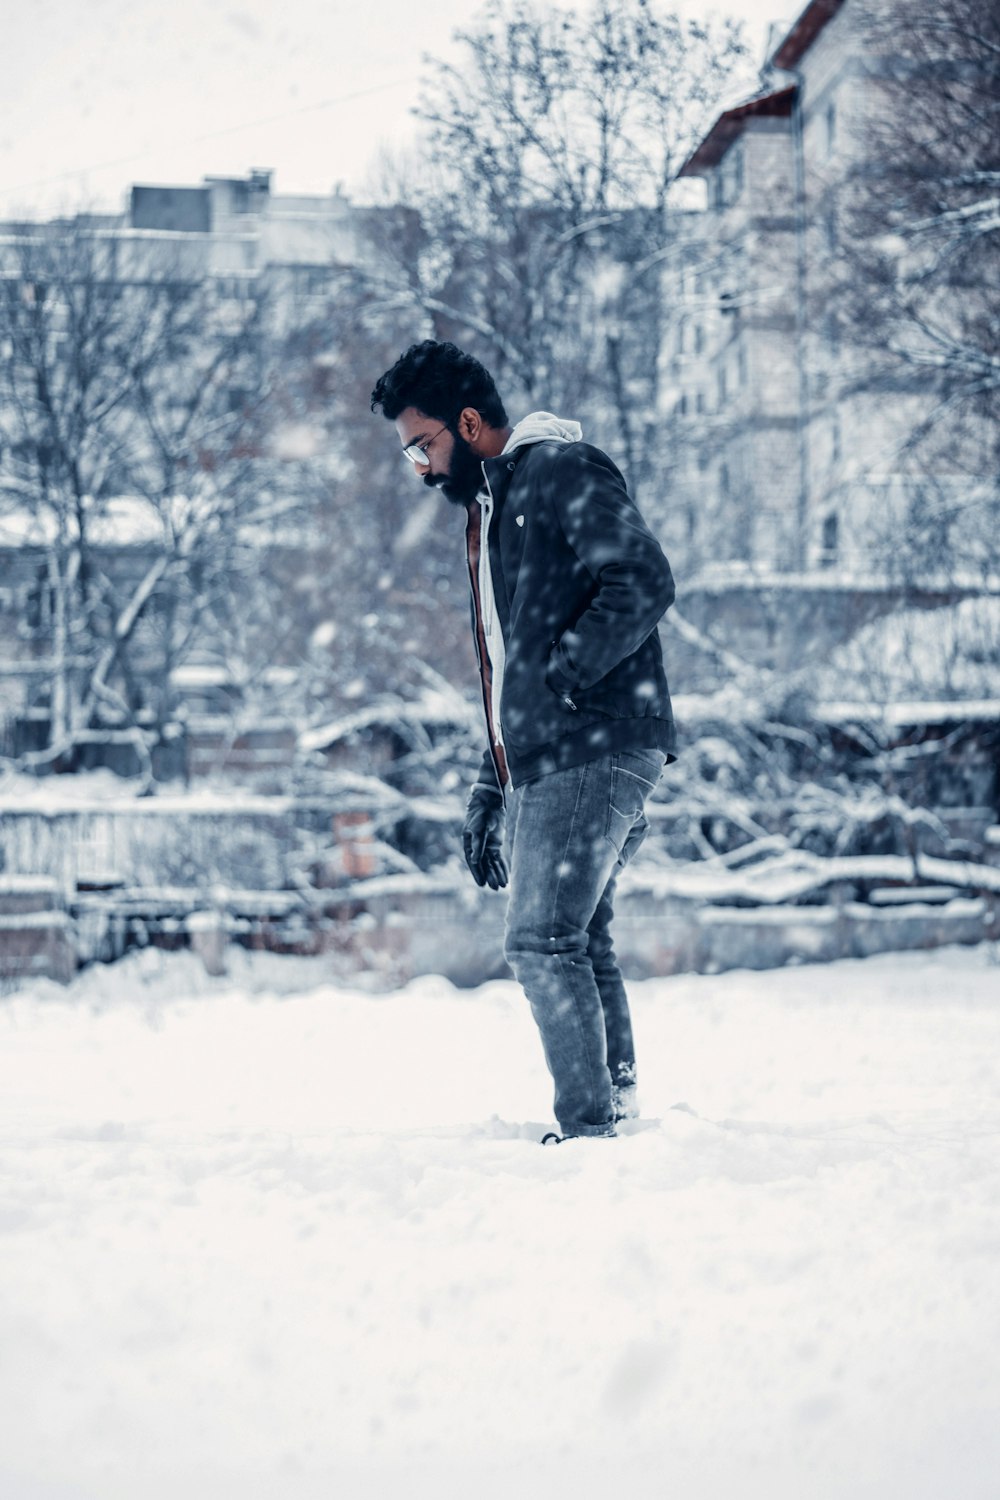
<point>682,406</point>
<point>831,527</point>
<point>722,386</point>
<point>835,448</point>
<point>699,402</point>
<point>39,603</point>
<point>312,281</point>
<point>699,338</point>
<point>729,177</point>
<point>723,479</point>
<point>736,173</point>
<point>830,127</point>
<point>741,358</point>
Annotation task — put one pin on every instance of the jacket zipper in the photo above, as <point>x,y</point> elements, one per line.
<point>481,651</point>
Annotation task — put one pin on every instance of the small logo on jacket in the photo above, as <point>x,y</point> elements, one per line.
<point>519,520</point>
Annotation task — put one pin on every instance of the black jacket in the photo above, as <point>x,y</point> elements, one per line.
<point>580,583</point>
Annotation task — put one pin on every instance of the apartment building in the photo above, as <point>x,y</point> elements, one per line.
<point>237,230</point>
<point>234,233</point>
<point>728,365</point>
<point>784,426</point>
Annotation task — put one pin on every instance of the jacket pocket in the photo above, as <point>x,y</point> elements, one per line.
<point>634,774</point>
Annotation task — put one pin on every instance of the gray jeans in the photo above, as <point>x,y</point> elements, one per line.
<point>569,836</point>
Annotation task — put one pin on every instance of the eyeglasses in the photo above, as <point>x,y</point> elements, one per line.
<point>416,452</point>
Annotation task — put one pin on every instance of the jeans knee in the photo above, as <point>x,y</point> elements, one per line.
<point>523,946</point>
<point>519,946</point>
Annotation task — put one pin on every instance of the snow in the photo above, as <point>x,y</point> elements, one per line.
<point>20,790</point>
<point>437,709</point>
<point>742,574</point>
<point>267,1238</point>
<point>905,714</point>
<point>126,521</point>
<point>20,885</point>
<point>209,674</point>
<point>795,873</point>
<point>897,896</point>
<point>923,655</point>
<point>299,441</point>
<point>23,920</point>
<point>102,791</point>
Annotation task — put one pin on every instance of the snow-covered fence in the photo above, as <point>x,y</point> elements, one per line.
<point>319,874</point>
<point>228,838</point>
<point>685,920</point>
<point>36,933</point>
<point>661,939</point>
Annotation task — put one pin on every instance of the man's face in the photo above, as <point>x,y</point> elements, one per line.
<point>448,462</point>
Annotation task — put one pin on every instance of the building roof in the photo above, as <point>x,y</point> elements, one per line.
<point>184,209</point>
<point>731,124</point>
<point>805,31</point>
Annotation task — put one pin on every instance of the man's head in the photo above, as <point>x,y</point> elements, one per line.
<point>447,413</point>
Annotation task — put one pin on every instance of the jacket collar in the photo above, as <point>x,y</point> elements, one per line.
<point>499,472</point>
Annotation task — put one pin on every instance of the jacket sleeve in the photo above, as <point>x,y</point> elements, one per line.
<point>486,786</point>
<point>633,585</point>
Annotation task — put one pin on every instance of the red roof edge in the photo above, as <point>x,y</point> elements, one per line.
<point>805,31</point>
<point>731,124</point>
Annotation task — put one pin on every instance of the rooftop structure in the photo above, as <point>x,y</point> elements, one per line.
<point>804,33</point>
<point>730,126</point>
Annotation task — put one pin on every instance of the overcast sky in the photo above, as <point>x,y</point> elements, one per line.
<point>102,94</point>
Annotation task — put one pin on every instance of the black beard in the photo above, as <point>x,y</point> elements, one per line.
<point>464,478</point>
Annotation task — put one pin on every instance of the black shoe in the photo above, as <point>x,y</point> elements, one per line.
<point>551,1139</point>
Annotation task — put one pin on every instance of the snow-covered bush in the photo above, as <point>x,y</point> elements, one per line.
<point>946,653</point>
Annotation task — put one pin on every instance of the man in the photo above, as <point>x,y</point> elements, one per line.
<point>568,585</point>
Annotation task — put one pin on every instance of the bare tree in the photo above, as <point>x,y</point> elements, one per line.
<point>543,189</point>
<point>923,295</point>
<point>367,596</point>
<point>132,413</point>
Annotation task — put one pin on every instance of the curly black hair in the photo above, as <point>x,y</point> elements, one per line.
<point>441,381</point>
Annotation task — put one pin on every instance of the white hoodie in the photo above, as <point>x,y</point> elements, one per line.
<point>538,426</point>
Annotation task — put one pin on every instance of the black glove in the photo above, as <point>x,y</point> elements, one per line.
<point>482,838</point>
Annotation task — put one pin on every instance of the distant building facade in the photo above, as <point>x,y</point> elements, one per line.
<point>233,231</point>
<point>730,367</point>
<point>237,230</point>
<point>235,240</point>
<point>781,426</point>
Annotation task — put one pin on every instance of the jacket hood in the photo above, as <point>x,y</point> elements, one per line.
<point>538,426</point>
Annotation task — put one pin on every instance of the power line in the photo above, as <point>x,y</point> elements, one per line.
<point>306,109</point>
<point>211,135</point>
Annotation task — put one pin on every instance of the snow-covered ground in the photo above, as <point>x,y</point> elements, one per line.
<point>266,1239</point>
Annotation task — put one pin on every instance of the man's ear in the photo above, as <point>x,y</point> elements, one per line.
<point>469,424</point>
